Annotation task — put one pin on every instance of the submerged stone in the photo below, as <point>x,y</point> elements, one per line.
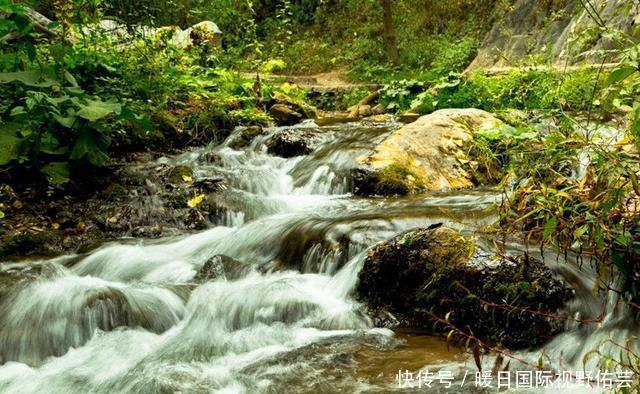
<point>221,267</point>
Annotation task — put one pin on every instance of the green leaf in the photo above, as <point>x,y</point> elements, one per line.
<point>66,121</point>
<point>16,111</point>
<point>49,144</point>
<point>142,121</point>
<point>91,145</point>
<point>9,141</point>
<point>96,110</point>
<point>32,78</point>
<point>621,73</point>
<point>71,79</point>
<point>549,227</point>
<point>57,173</point>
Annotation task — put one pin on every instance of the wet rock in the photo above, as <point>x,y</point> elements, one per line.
<point>15,274</point>
<point>294,142</point>
<point>360,111</point>
<point>391,181</point>
<point>244,136</point>
<point>439,270</point>
<point>116,192</point>
<point>221,267</point>
<point>428,154</point>
<point>25,243</point>
<point>284,115</point>
<point>178,174</point>
<point>287,110</point>
<point>208,185</point>
<point>153,231</point>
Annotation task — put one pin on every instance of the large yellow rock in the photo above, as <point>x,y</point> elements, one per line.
<point>427,154</point>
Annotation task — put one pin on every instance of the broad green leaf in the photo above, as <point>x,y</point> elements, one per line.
<point>9,142</point>
<point>71,79</point>
<point>32,78</point>
<point>142,121</point>
<point>57,173</point>
<point>16,111</point>
<point>96,110</point>
<point>66,121</point>
<point>91,145</point>
<point>50,144</point>
<point>621,73</point>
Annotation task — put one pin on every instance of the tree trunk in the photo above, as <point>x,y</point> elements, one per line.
<point>389,33</point>
<point>40,24</point>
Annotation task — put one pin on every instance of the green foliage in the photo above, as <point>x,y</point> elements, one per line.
<point>586,209</point>
<point>64,105</point>
<point>546,90</point>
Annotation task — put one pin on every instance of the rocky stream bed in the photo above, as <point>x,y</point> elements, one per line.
<point>274,261</point>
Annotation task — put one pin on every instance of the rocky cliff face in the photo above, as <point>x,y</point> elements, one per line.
<point>557,31</point>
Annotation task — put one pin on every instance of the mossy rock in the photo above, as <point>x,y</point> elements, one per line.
<point>392,180</point>
<point>116,192</point>
<point>245,136</point>
<point>438,270</point>
<point>178,174</point>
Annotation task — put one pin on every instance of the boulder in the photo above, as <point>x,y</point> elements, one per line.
<point>203,33</point>
<point>428,154</point>
<point>221,267</point>
<point>436,270</point>
<point>360,111</point>
<point>243,136</point>
<point>560,31</point>
<point>285,115</point>
<point>294,142</point>
<point>287,110</point>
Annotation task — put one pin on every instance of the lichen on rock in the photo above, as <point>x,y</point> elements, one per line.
<point>428,154</point>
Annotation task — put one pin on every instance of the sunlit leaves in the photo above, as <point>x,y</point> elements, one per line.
<point>195,201</point>
<point>95,110</point>
<point>32,78</point>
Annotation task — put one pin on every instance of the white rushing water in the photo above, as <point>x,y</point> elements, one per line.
<point>129,317</point>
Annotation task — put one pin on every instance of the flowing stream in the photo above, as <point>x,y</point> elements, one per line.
<point>128,317</point>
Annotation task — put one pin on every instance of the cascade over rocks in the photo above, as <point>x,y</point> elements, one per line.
<point>438,269</point>
<point>294,142</point>
<point>427,154</point>
<point>243,136</point>
<point>222,267</point>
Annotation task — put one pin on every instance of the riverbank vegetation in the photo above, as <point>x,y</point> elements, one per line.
<point>78,95</point>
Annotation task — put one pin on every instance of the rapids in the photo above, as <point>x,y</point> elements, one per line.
<point>128,318</point>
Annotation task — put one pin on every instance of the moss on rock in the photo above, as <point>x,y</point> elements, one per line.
<point>439,270</point>
<point>178,174</point>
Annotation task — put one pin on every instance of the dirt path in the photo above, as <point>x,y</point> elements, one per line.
<point>332,80</point>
